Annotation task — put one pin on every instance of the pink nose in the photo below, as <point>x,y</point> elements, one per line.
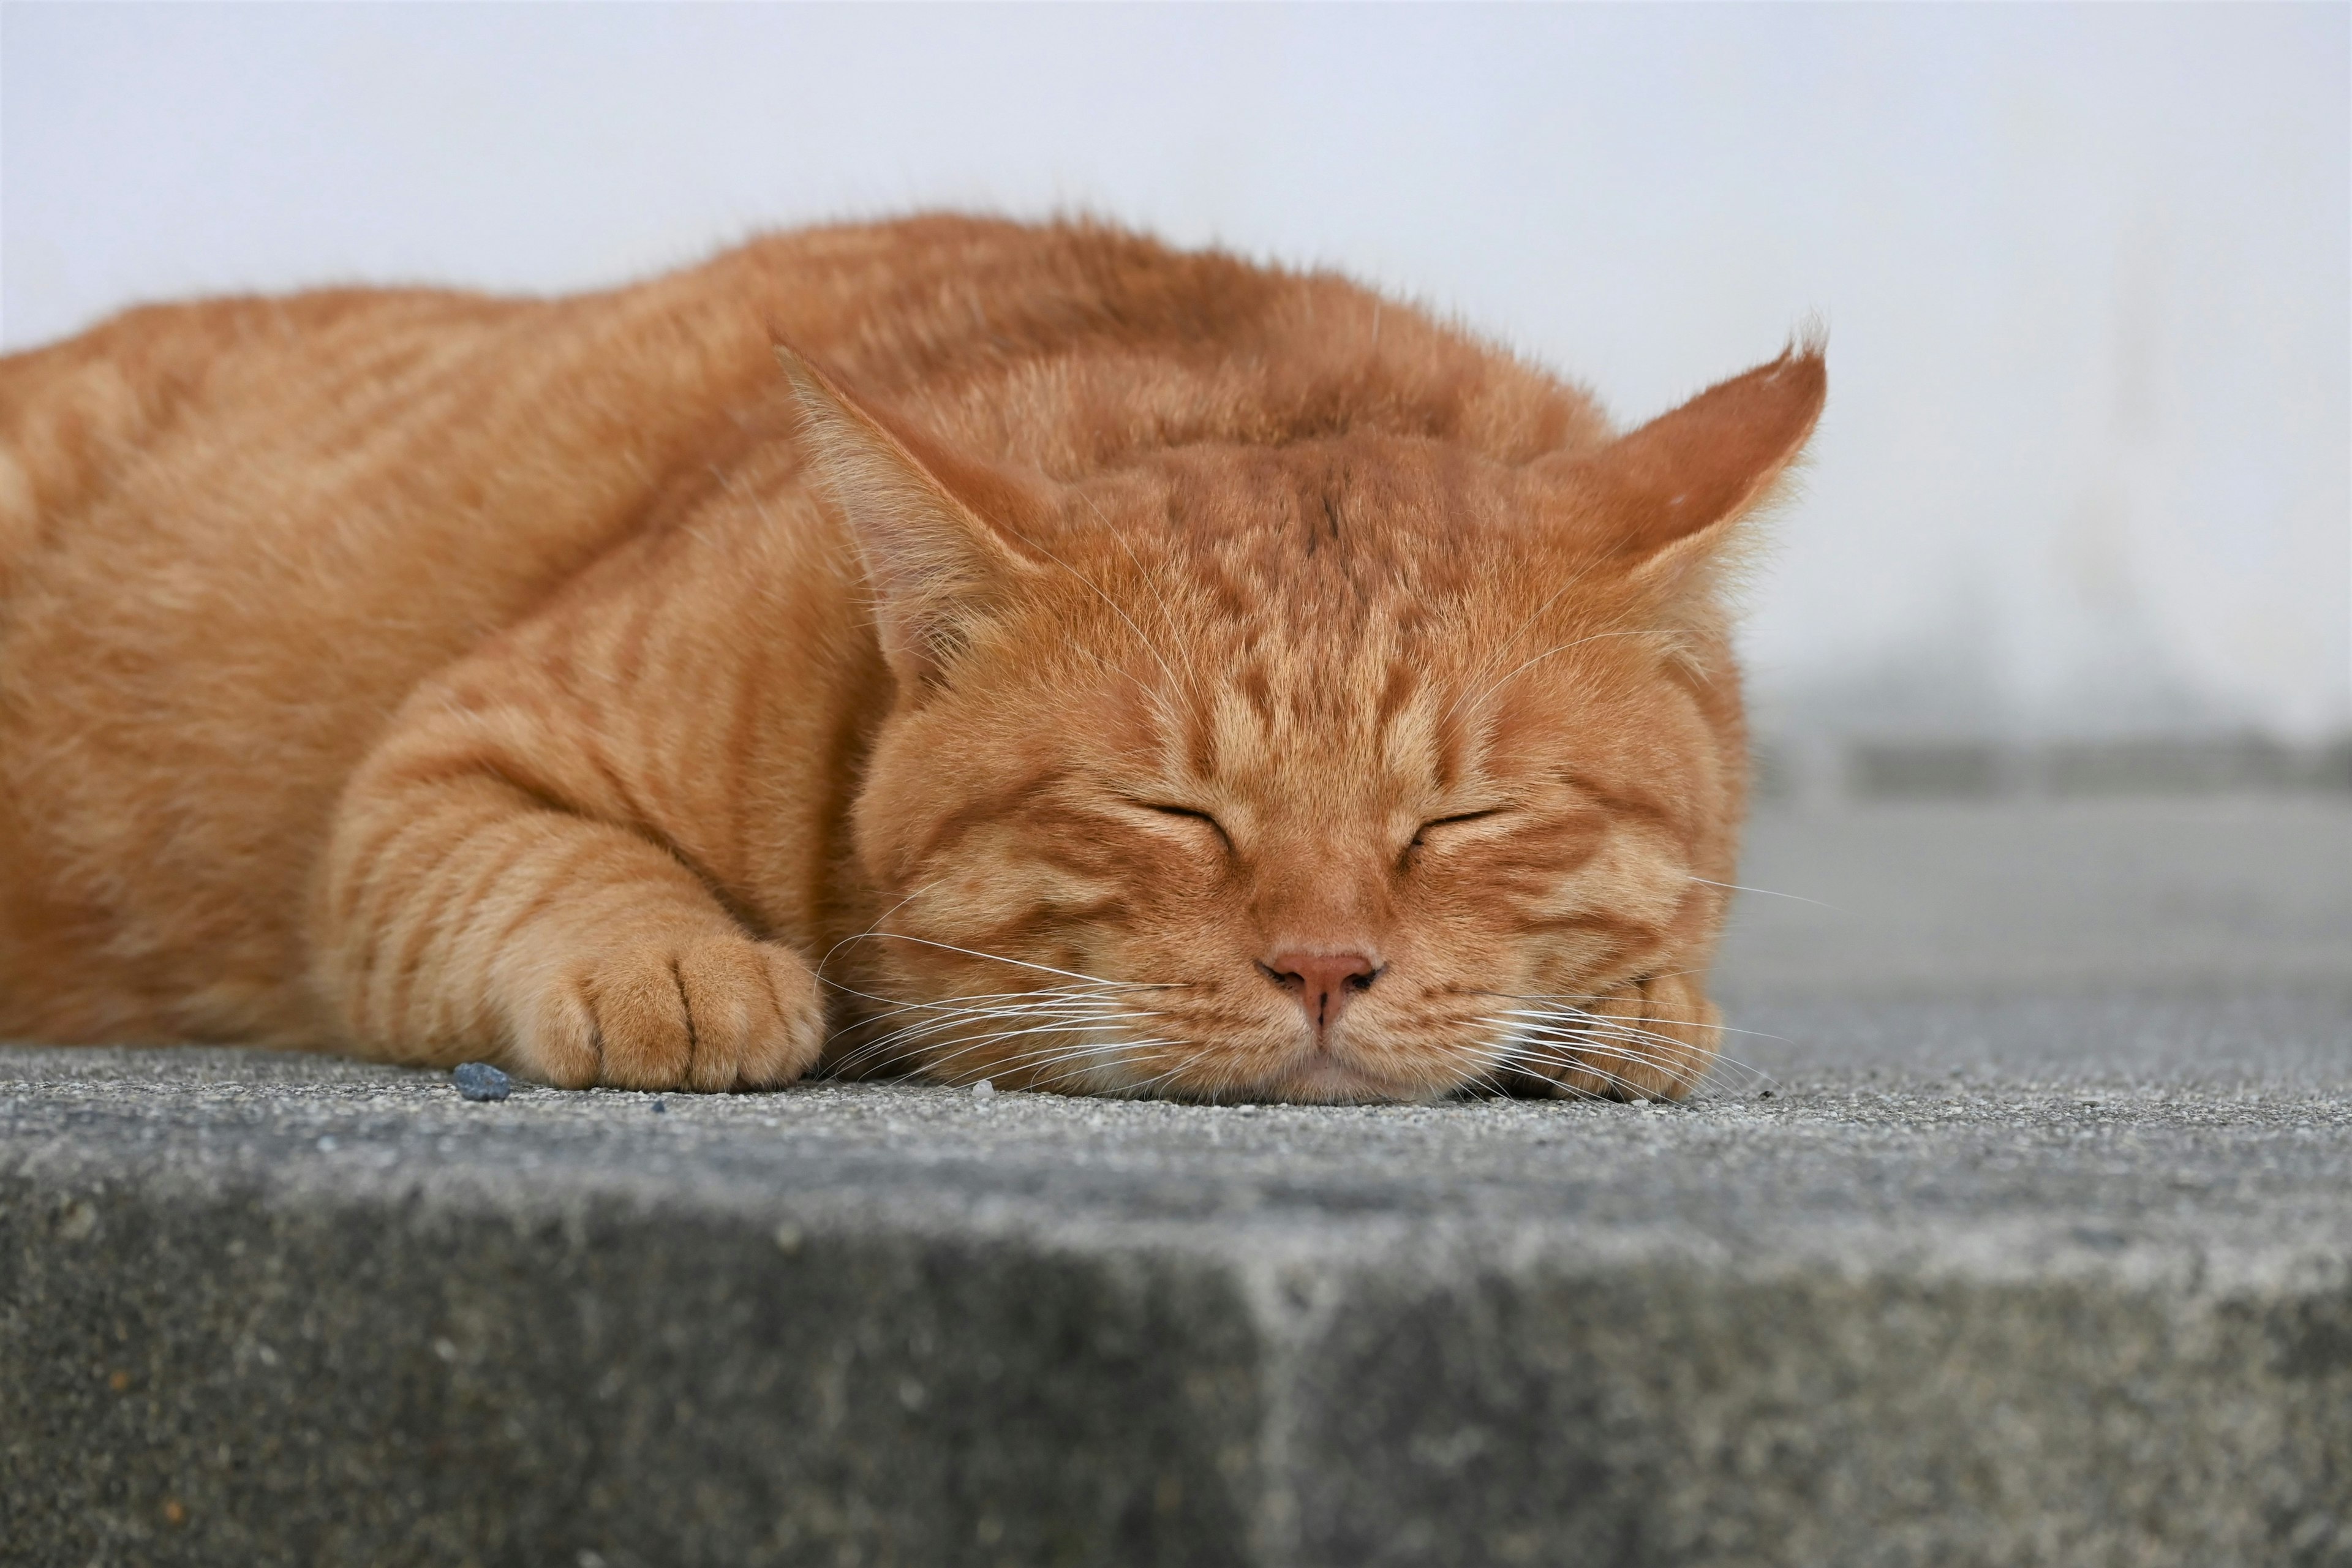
<point>1323,982</point>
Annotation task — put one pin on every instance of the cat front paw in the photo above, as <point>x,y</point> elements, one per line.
<point>710,1014</point>
<point>1655,1038</point>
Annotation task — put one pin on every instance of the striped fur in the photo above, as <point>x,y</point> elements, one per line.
<point>1065,625</point>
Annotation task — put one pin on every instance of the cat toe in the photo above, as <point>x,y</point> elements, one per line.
<point>757,1021</point>
<point>709,1016</point>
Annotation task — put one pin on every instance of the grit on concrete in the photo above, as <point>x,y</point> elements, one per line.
<point>2024,1235</point>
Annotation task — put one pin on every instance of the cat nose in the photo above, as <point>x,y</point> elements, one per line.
<point>1323,983</point>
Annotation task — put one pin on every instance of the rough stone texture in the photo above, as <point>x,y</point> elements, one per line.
<point>1989,1277</point>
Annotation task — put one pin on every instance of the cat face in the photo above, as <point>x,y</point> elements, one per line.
<point>1343,771</point>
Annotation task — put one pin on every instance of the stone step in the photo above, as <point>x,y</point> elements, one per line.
<point>1982,1282</point>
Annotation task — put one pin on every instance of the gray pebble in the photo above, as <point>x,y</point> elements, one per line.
<point>480,1081</point>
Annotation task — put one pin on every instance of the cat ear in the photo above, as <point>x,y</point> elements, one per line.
<point>1665,498</point>
<point>936,565</point>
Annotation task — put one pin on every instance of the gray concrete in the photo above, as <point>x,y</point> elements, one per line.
<point>1848,769</point>
<point>1952,1269</point>
<point>2241,893</point>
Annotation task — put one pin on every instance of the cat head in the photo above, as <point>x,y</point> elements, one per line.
<point>1355,768</point>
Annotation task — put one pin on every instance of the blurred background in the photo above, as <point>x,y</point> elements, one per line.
<point>2078,519</point>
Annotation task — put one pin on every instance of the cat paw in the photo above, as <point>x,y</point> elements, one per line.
<point>1651,1039</point>
<point>713,1013</point>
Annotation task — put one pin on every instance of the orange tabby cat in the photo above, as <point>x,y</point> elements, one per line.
<point>1117,671</point>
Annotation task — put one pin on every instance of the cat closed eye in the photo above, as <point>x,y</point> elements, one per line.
<point>1192,814</point>
<point>1420,835</point>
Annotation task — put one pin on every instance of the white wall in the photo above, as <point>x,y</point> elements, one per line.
<point>2086,269</point>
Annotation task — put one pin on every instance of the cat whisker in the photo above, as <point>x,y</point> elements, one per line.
<point>1603,1020</point>
<point>1591,1027</point>
<point>1574,1043</point>
<point>1033,1020</point>
<point>1527,1057</point>
<point>1631,1044</point>
<point>1584,1061</point>
<point>1578,1040</point>
<point>936,1021</point>
<point>1020,962</point>
<point>1557,1071</point>
<point>920,889</point>
<point>1569,996</point>
<point>1619,1029</point>
<point>1089,1051</point>
<point>1087,1060</point>
<point>1149,1087</point>
<point>1769,893</point>
<point>1680,1019</point>
<point>950,1007</point>
<point>1060,1048</point>
<point>1495,1060</point>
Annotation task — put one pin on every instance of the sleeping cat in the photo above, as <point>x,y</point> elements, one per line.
<point>985,650</point>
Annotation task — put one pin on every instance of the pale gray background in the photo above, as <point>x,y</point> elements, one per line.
<point>2086,270</point>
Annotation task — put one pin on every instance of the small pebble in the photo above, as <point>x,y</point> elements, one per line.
<point>983,1089</point>
<point>661,1108</point>
<point>480,1081</point>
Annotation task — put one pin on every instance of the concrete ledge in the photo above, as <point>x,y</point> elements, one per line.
<point>261,1309</point>
<point>1975,767</point>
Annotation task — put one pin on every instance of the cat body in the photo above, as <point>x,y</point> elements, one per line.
<point>1075,661</point>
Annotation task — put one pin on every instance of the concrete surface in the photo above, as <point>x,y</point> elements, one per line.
<point>1996,1272</point>
<point>2176,895</point>
<point>1835,769</point>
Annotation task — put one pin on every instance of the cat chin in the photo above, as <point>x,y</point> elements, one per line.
<point>1320,1079</point>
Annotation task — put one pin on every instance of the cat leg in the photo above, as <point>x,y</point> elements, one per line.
<point>1651,1039</point>
<point>468,916</point>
